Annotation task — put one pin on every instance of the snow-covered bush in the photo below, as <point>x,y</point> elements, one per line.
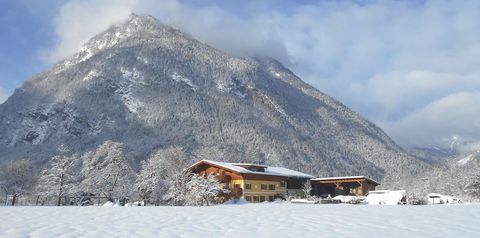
<point>307,189</point>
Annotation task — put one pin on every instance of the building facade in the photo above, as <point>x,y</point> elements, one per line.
<point>252,182</point>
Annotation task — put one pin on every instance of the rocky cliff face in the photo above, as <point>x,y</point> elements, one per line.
<point>148,85</point>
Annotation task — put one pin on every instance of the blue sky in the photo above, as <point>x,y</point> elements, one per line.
<point>409,66</point>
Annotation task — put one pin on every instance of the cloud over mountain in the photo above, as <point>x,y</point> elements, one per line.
<point>385,59</point>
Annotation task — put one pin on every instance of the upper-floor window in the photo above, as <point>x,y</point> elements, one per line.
<point>263,187</point>
<point>271,187</point>
<point>282,184</point>
<point>248,186</point>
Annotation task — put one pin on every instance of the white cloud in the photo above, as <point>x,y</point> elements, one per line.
<point>3,95</point>
<point>78,21</point>
<point>392,61</point>
<point>453,115</point>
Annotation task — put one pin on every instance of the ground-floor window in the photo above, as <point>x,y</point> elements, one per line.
<point>262,198</point>
<point>248,198</point>
<point>270,198</point>
<point>255,198</point>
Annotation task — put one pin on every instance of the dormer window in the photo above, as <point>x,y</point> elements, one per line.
<point>252,167</point>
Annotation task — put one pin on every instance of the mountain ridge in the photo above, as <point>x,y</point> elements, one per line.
<point>149,85</point>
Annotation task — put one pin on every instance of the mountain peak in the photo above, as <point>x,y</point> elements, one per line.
<point>136,27</point>
<point>148,85</point>
<point>142,20</point>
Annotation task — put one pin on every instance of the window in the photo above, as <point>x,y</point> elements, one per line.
<point>248,198</point>
<point>262,198</point>
<point>226,186</point>
<point>282,184</point>
<point>270,198</point>
<point>255,198</point>
<point>248,186</point>
<point>264,187</point>
<point>237,185</point>
<point>271,187</point>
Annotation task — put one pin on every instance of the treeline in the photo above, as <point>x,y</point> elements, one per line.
<point>106,174</point>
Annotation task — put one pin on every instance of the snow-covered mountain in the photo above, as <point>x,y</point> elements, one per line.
<point>452,176</point>
<point>148,85</point>
<point>432,155</point>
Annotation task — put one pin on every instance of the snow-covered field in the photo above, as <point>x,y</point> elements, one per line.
<point>250,220</point>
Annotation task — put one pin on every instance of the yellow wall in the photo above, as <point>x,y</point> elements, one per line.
<point>236,181</point>
<point>257,189</point>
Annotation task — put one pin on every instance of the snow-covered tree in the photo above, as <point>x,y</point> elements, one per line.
<point>57,179</point>
<point>17,177</point>
<point>178,189</point>
<point>192,189</point>
<point>201,190</point>
<point>307,188</point>
<point>156,172</point>
<point>108,172</point>
<point>473,188</point>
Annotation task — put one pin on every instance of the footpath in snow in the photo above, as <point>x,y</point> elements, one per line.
<point>249,220</point>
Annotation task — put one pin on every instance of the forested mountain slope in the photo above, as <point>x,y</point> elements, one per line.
<point>149,86</point>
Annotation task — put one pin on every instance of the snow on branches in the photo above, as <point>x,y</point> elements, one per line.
<point>17,177</point>
<point>192,189</point>
<point>156,172</point>
<point>58,177</point>
<point>473,188</point>
<point>108,172</point>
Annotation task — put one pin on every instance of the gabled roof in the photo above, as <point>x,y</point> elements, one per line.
<point>249,164</point>
<point>345,178</point>
<point>273,171</point>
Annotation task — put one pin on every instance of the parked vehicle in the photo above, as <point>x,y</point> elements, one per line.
<point>303,201</point>
<point>436,198</point>
<point>386,197</point>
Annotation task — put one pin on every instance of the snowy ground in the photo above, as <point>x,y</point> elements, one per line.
<point>251,220</point>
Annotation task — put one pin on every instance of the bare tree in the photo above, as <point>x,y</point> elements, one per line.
<point>108,172</point>
<point>57,179</point>
<point>18,177</point>
<point>153,179</point>
<point>473,188</point>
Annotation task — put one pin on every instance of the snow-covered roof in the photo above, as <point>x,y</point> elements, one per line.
<point>249,164</point>
<point>344,177</point>
<point>274,171</point>
<point>288,172</point>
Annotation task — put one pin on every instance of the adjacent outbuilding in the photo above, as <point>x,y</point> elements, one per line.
<point>349,185</point>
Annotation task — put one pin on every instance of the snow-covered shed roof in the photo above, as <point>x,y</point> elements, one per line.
<point>345,178</point>
<point>274,171</point>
